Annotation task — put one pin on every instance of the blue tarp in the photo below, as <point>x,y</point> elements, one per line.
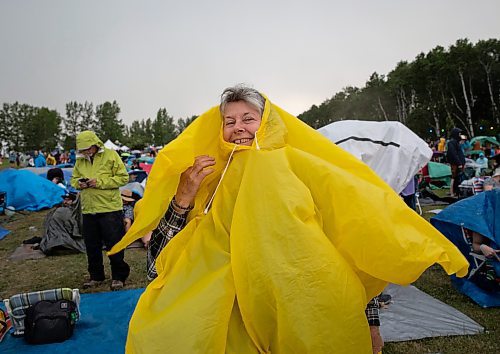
<point>102,327</point>
<point>27,191</point>
<point>3,232</point>
<point>479,213</point>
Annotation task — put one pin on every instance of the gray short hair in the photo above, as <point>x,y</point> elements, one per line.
<point>242,93</point>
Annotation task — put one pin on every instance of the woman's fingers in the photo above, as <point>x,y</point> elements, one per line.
<point>202,162</point>
<point>192,177</point>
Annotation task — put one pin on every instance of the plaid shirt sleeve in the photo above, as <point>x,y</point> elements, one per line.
<point>372,312</point>
<point>168,227</point>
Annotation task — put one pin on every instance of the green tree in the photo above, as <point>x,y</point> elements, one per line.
<point>13,118</point>
<point>489,58</point>
<point>41,128</point>
<point>107,124</point>
<point>163,128</point>
<point>79,117</point>
<point>182,124</point>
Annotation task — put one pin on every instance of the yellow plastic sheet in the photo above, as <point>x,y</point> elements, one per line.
<point>298,239</point>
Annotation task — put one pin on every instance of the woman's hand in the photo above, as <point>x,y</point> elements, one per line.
<point>488,251</point>
<point>191,179</point>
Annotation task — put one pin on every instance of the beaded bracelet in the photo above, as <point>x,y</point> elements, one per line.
<point>174,203</point>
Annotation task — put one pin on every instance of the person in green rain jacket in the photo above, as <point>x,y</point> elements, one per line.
<point>99,173</point>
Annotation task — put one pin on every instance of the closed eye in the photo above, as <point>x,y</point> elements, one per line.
<point>248,119</point>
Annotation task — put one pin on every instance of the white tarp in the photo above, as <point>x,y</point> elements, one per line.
<point>414,314</point>
<point>110,145</point>
<point>392,150</point>
<point>124,148</point>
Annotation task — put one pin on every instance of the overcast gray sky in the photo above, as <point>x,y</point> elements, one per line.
<point>181,54</point>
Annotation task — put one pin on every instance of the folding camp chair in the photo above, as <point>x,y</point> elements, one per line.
<point>17,304</point>
<point>478,259</point>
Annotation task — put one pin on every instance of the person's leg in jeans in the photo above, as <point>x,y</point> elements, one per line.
<point>112,230</point>
<point>93,244</point>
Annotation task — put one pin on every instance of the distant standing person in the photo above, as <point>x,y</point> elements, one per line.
<point>98,173</point>
<point>39,159</point>
<point>456,159</point>
<point>12,158</point>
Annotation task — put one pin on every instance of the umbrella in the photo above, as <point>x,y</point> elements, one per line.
<point>484,139</point>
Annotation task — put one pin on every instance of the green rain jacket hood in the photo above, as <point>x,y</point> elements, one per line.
<point>86,139</point>
<point>106,168</point>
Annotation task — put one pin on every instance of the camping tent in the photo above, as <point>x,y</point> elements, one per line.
<point>478,213</point>
<point>392,150</point>
<point>27,191</point>
<point>437,174</point>
<point>124,148</point>
<point>110,145</point>
<point>485,140</point>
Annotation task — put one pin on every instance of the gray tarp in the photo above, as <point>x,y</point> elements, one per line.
<point>62,227</point>
<point>414,314</point>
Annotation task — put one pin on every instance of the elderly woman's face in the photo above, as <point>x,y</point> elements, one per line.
<point>241,121</point>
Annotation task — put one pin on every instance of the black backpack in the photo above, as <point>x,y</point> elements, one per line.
<point>50,321</point>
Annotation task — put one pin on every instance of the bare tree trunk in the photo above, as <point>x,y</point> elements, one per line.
<point>454,99</point>
<point>413,97</point>
<point>436,123</point>
<point>494,107</point>
<point>463,123</point>
<point>445,105</point>
<point>468,109</point>
<point>382,108</point>
<point>431,108</point>
<point>399,108</point>
<point>403,101</point>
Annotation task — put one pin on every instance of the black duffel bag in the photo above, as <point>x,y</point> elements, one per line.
<point>50,321</point>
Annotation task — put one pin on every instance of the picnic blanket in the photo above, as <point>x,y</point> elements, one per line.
<point>102,327</point>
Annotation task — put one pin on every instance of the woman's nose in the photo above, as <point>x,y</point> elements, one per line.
<point>239,128</point>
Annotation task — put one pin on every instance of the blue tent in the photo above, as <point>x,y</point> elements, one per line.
<point>478,213</point>
<point>27,191</point>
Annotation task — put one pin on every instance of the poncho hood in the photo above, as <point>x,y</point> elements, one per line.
<point>455,134</point>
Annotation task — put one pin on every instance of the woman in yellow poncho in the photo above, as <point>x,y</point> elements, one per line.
<point>288,238</point>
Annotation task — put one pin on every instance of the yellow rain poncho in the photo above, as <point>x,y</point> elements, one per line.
<point>299,237</point>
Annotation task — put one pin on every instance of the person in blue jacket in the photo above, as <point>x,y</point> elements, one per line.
<point>39,159</point>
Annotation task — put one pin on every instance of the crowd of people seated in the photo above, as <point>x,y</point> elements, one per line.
<point>40,158</point>
<point>471,164</point>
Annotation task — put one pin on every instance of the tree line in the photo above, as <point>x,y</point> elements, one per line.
<point>25,127</point>
<point>441,89</point>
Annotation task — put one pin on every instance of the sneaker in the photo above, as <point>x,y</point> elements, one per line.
<point>92,283</point>
<point>116,285</point>
<point>32,241</point>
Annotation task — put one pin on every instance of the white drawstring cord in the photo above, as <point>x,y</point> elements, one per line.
<point>207,208</point>
<point>256,142</point>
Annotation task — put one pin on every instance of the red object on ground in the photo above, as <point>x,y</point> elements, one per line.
<point>146,167</point>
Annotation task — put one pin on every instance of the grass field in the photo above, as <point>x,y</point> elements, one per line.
<point>69,270</point>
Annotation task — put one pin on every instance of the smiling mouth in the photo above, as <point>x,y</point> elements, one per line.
<point>242,141</point>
